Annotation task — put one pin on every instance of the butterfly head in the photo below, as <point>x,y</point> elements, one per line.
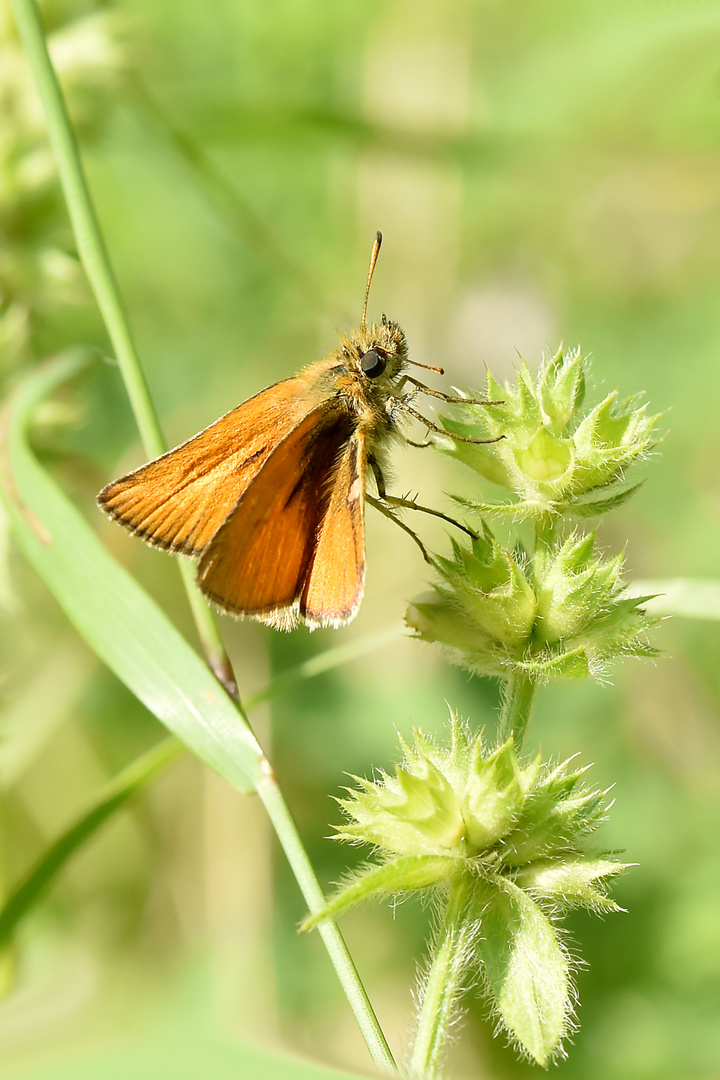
<point>376,352</point>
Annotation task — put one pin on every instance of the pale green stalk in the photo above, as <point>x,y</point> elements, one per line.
<point>520,688</point>
<point>518,697</point>
<point>545,538</point>
<point>443,984</point>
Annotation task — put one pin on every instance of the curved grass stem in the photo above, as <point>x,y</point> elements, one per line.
<point>269,791</point>
<point>113,796</point>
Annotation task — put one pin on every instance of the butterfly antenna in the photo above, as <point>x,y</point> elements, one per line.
<point>428,367</point>
<point>373,260</point>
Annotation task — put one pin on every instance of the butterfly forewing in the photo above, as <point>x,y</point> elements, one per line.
<point>334,584</point>
<point>180,500</point>
<point>258,561</point>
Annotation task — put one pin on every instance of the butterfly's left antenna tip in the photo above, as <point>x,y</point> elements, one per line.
<point>373,260</point>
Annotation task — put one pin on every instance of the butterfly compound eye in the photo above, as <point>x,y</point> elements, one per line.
<point>372,364</point>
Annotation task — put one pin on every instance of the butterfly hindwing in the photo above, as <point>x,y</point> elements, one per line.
<point>258,562</point>
<point>333,586</point>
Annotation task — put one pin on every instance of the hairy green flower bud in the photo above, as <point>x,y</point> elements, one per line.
<point>485,609</point>
<point>508,840</point>
<point>551,456</point>
<point>565,617</point>
<point>479,808</point>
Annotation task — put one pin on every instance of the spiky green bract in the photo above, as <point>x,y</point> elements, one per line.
<point>564,616</point>
<point>552,456</point>
<point>510,838</point>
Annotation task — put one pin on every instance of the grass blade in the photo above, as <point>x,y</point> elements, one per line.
<point>109,609</point>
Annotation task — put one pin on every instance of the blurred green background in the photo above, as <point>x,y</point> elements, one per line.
<point>541,172</point>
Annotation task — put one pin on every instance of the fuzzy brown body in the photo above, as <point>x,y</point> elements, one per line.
<point>270,498</point>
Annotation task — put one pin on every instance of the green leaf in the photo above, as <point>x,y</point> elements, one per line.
<point>515,512</point>
<point>114,615</point>
<point>526,970</point>
<point>591,507</point>
<point>400,875</point>
<point>572,882</point>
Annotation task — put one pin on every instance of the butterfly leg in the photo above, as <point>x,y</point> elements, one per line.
<point>377,473</point>
<point>404,403</point>
<point>423,389</point>
<point>410,504</point>
<point>388,514</point>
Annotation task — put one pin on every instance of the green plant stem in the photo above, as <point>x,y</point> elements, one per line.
<point>287,833</point>
<point>545,529</point>
<point>519,695</point>
<point>443,983</point>
<point>519,690</point>
<point>208,632</point>
<point>96,261</point>
<point>89,239</point>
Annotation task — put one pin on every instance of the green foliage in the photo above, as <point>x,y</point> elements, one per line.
<point>513,208</point>
<point>560,612</point>
<point>526,971</point>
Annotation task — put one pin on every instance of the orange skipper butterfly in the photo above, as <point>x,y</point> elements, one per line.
<point>271,497</point>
